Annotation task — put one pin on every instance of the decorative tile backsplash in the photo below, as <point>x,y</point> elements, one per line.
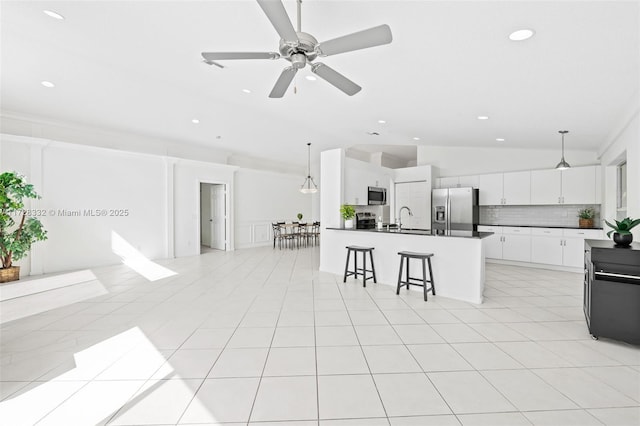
<point>560,215</point>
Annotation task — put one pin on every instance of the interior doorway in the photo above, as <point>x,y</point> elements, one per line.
<point>213,218</point>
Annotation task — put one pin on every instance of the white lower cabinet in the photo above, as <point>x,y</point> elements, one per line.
<point>546,246</point>
<point>549,246</point>
<point>553,246</point>
<point>516,243</point>
<point>493,244</point>
<point>507,242</point>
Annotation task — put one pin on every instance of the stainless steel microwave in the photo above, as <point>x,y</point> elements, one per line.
<point>377,196</point>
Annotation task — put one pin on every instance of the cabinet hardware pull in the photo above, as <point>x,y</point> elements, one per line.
<point>611,274</point>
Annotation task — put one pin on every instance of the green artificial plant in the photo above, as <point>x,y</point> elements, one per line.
<point>587,213</point>
<point>299,215</point>
<point>17,231</point>
<point>622,227</point>
<point>347,211</point>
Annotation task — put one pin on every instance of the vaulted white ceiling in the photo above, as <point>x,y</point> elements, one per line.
<point>135,66</point>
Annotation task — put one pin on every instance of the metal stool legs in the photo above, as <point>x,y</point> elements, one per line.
<point>421,282</point>
<point>360,271</point>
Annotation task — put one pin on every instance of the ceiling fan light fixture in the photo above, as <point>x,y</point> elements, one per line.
<point>54,15</point>
<point>521,35</point>
<point>563,165</point>
<point>309,186</point>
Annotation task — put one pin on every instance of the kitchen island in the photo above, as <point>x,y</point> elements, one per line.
<point>458,261</point>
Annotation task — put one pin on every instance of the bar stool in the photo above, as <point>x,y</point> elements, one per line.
<point>360,271</point>
<point>423,281</point>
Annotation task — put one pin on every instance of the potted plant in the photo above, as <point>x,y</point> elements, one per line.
<point>17,231</point>
<point>348,213</point>
<point>622,235</point>
<point>299,216</point>
<point>586,217</point>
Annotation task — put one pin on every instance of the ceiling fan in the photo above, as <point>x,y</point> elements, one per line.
<point>301,48</point>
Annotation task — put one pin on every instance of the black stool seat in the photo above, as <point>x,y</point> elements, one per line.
<point>420,282</point>
<point>360,271</point>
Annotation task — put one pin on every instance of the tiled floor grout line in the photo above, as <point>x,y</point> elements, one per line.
<point>360,345</point>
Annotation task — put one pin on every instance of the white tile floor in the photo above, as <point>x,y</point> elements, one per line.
<point>260,336</point>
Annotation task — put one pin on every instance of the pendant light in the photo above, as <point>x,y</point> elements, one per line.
<point>563,165</point>
<point>309,186</point>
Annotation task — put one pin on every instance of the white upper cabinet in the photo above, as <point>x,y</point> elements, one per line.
<point>505,188</point>
<point>517,188</point>
<point>577,185</point>
<point>546,187</point>
<point>491,189</point>
<point>458,182</point>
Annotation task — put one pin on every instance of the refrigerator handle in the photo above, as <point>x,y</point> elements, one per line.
<point>447,213</point>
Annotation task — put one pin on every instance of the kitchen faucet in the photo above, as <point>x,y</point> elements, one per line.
<point>398,219</point>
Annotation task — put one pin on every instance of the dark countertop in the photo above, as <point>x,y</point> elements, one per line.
<point>542,226</point>
<point>424,232</point>
<point>609,244</point>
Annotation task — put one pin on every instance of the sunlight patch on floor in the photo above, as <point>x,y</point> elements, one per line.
<point>137,261</point>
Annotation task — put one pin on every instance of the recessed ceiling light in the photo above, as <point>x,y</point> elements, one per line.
<point>53,14</point>
<point>416,138</point>
<point>246,90</point>
<point>521,35</point>
<point>195,121</point>
<point>483,117</point>
<point>381,121</point>
<point>46,83</point>
<point>500,139</point>
<point>311,78</point>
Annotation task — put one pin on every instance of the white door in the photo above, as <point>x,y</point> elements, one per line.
<point>218,217</point>
<point>516,247</point>
<point>545,187</point>
<point>493,244</point>
<point>579,185</point>
<point>517,188</point>
<point>547,250</point>
<point>573,252</point>
<point>490,189</point>
<point>205,214</point>
<point>416,196</point>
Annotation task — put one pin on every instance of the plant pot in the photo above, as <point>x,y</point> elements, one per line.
<point>585,223</point>
<point>348,224</point>
<point>9,274</point>
<point>622,240</point>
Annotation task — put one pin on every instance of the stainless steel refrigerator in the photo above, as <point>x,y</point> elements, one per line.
<point>455,209</point>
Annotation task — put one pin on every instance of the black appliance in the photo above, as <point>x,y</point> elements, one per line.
<point>376,196</point>
<point>365,220</point>
<point>612,290</point>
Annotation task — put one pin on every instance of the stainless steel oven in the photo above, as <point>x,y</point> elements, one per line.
<point>377,196</point>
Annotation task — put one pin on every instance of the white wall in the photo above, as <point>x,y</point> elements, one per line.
<point>87,194</point>
<point>461,161</point>
<point>625,144</point>
<point>161,194</point>
<point>263,197</point>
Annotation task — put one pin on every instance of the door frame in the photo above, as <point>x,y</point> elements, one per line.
<point>227,211</point>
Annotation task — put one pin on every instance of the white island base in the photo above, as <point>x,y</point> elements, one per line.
<point>458,262</point>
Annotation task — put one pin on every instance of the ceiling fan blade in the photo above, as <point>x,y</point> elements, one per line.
<point>217,56</point>
<point>283,82</point>
<point>275,11</point>
<point>372,37</point>
<point>333,77</point>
